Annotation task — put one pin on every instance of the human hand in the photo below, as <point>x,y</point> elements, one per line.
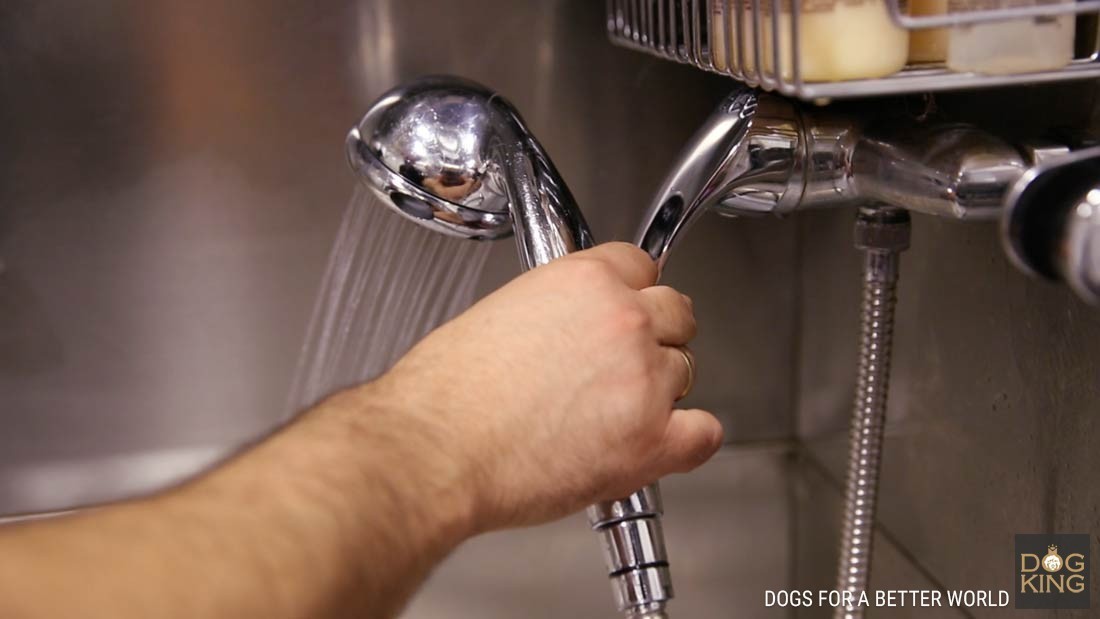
<point>558,389</point>
<point>553,392</point>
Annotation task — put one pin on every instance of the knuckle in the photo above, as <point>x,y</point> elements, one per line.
<point>677,309</point>
<point>692,327</point>
<point>646,264</point>
<point>666,294</point>
<point>688,301</point>
<point>628,251</point>
<point>590,271</point>
<point>673,298</point>
<point>634,256</point>
<point>632,319</point>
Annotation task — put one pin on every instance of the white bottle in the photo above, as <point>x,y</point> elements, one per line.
<point>838,40</point>
<point>1017,46</point>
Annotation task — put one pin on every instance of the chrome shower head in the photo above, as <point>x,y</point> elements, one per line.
<point>456,157</point>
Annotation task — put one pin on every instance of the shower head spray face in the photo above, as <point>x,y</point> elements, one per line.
<point>425,149</point>
<point>456,157</point>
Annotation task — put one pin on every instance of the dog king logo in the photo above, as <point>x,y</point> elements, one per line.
<point>1052,571</point>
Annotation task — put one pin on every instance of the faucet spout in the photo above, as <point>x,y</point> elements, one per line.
<point>746,159</point>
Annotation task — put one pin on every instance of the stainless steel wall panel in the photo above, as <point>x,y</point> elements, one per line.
<point>173,176</point>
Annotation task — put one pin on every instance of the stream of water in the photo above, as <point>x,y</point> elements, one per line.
<point>387,284</point>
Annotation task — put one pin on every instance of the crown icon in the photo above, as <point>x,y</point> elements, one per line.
<point>1053,548</point>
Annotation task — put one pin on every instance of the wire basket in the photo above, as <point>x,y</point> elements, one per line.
<point>799,49</point>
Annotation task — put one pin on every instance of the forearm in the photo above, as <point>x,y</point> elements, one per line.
<point>551,393</point>
<point>340,514</point>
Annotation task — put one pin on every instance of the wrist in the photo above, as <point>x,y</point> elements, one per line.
<point>404,450</point>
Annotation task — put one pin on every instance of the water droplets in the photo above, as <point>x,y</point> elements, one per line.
<point>387,284</point>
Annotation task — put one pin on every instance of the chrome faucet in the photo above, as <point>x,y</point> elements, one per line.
<point>763,154</point>
<point>456,157</point>
<point>760,153</point>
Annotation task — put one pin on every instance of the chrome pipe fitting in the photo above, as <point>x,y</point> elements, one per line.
<point>634,550</point>
<point>953,171</point>
<point>1051,225</point>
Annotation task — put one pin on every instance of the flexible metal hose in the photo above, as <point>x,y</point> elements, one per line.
<point>883,234</point>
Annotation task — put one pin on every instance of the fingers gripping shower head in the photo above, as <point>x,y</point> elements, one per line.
<point>456,157</point>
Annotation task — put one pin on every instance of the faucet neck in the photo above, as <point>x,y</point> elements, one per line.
<point>745,159</point>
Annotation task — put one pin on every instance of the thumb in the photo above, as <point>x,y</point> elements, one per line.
<point>691,438</point>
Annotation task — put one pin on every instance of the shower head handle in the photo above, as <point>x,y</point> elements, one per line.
<point>455,157</point>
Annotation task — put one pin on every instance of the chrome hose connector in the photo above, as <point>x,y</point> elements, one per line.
<point>634,550</point>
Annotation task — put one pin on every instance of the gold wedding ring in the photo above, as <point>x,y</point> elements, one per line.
<point>689,359</point>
